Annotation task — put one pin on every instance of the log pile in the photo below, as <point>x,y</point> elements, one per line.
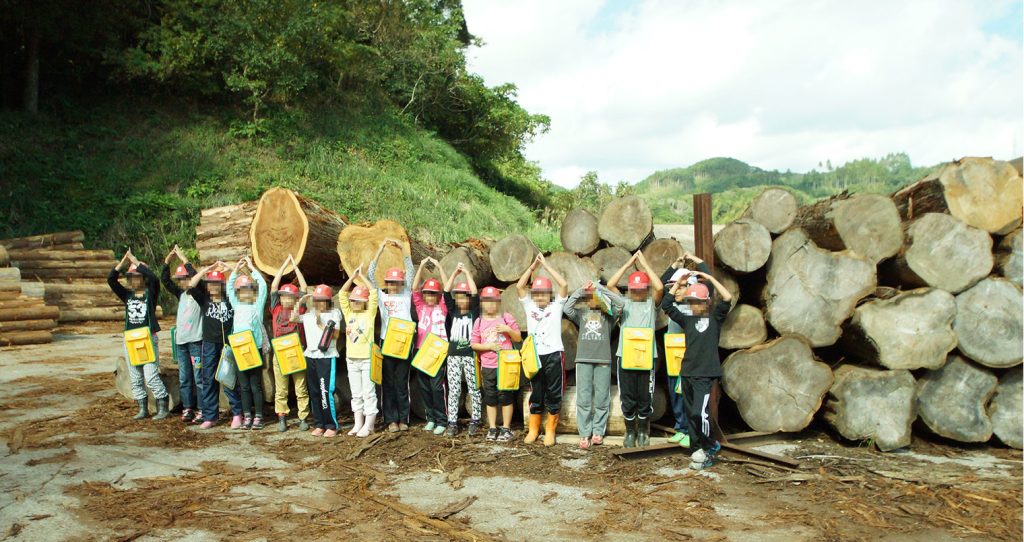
<point>24,319</point>
<point>223,232</point>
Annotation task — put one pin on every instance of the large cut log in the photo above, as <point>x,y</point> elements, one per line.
<point>5,259</point>
<point>743,328</point>
<point>626,223</point>
<point>743,246</point>
<point>99,314</point>
<point>661,253</point>
<point>989,323</point>
<point>982,192</point>
<point>99,274</point>
<point>616,423</point>
<point>608,260</point>
<point>21,303</point>
<point>75,301</point>
<point>357,245</point>
<point>223,232</point>
<point>579,232</point>
<point>474,255</point>
<point>511,256</point>
<point>575,270</point>
<point>33,254</point>
<point>25,337</point>
<point>44,240</point>
<point>912,330</point>
<point>570,337</point>
<point>10,274</point>
<point>874,405</point>
<point>59,289</point>
<point>1005,409</point>
<point>1009,257</point>
<point>510,303</point>
<point>867,224</point>
<point>774,208</point>
<point>28,267</point>
<point>778,385</point>
<point>41,312</point>
<point>727,280</point>
<point>35,289</point>
<point>811,291</point>
<point>287,223</point>
<point>27,325</point>
<point>943,252</point>
<point>951,400</point>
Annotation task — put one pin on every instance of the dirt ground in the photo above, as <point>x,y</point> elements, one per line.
<point>76,467</point>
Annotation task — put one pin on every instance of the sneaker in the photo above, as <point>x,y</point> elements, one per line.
<point>701,460</point>
<point>402,426</point>
<point>199,417</point>
<point>473,429</point>
<point>257,423</point>
<point>282,423</point>
<point>584,443</point>
<point>207,425</point>
<point>429,427</point>
<point>187,416</point>
<point>492,434</point>
<point>392,427</point>
<point>597,440</point>
<point>453,430</point>
<point>330,433</point>
<point>684,441</point>
<point>317,432</point>
<point>505,434</point>
<point>676,437</point>
<point>303,425</point>
<point>236,422</point>
<point>246,423</point>
<point>439,429</point>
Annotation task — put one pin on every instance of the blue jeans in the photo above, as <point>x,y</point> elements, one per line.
<point>209,388</point>
<point>187,356</point>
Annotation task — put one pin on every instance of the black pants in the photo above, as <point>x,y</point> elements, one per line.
<point>395,389</point>
<point>697,397</point>
<point>636,392</point>
<point>546,385</point>
<point>490,393</point>
<point>251,385</point>
<point>432,390</point>
<point>320,379</point>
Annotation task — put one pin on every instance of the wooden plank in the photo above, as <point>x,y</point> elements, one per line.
<point>627,452</point>
<point>763,455</point>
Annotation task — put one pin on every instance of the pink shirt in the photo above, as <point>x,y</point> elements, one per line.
<point>429,319</point>
<point>484,333</point>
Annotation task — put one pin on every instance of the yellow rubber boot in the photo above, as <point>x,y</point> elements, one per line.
<point>534,432</point>
<point>549,429</point>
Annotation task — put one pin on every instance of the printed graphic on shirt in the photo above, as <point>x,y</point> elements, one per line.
<point>355,330</point>
<point>462,327</point>
<point>219,311</point>
<point>702,324</point>
<point>432,321</point>
<point>592,328</point>
<point>136,311</point>
<point>391,305</point>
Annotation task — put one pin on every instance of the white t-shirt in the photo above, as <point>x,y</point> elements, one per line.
<point>545,325</point>
<point>313,333</point>
<point>397,305</point>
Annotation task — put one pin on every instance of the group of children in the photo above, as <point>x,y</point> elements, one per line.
<point>213,307</point>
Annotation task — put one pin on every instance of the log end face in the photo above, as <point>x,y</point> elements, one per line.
<point>951,400</point>
<point>1006,409</point>
<point>871,404</point>
<point>990,323</point>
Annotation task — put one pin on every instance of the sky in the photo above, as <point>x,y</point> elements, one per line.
<point>635,87</point>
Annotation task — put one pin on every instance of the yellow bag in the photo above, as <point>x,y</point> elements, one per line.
<point>139,344</point>
<point>247,354</point>
<point>675,348</point>
<point>637,348</point>
<point>398,338</point>
<point>288,349</point>
<point>509,366</point>
<point>376,365</point>
<point>528,355</point>
<point>431,355</point>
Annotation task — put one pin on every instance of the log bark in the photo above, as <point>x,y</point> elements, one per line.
<point>867,224</point>
<point>5,259</point>
<point>989,323</point>
<point>287,223</point>
<point>811,291</point>
<point>608,260</point>
<point>30,266</point>
<point>567,423</point>
<point>575,270</point>
<point>743,246</point>
<point>774,208</point>
<point>870,404</point>
<point>41,312</point>
<point>34,254</point>
<point>743,328</point>
<point>1009,257</point>
<point>99,314</point>
<point>943,252</point>
<point>912,330</point>
<point>777,386</point>
<point>60,289</point>
<point>1005,409</point>
<point>626,223</point>
<point>25,337</point>
<point>510,304</point>
<point>981,192</point>
<point>356,246</point>
<point>579,232</point>
<point>570,337</point>
<point>21,302</point>
<point>951,400</point>
<point>45,240</point>
<point>223,232</point>
<point>67,273</point>
<point>511,256</point>
<point>27,325</point>
<point>661,253</point>
<point>474,255</point>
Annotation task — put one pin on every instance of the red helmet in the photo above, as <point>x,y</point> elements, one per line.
<point>432,286</point>
<point>133,269</point>
<point>181,272</point>
<point>215,276</point>
<point>697,291</point>
<point>639,281</point>
<point>323,292</point>
<point>395,274</point>
<point>461,288</point>
<point>359,294</point>
<point>490,293</point>
<point>289,289</point>
<point>541,284</point>
<point>244,282</point>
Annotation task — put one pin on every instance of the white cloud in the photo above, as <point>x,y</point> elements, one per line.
<point>636,87</point>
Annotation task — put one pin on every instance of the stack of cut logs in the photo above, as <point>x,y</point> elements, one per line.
<point>25,318</point>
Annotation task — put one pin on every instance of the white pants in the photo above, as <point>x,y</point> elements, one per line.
<point>146,375</point>
<point>364,391</point>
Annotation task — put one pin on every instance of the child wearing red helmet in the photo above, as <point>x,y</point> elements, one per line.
<point>282,306</point>
<point>701,364</point>
<point>248,295</point>
<point>544,324</point>
<point>636,388</point>
<point>187,332</point>
<point>321,324</point>
<point>139,300</point>
<point>395,299</point>
<point>359,308</point>
<point>207,287</point>
<point>463,309</point>
<point>431,316</point>
<point>493,332</point>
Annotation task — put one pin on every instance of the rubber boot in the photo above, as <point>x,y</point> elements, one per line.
<point>357,425</point>
<point>630,439</point>
<point>534,429</point>
<point>282,423</point>
<point>367,427</point>
<point>549,429</point>
<point>143,409</point>
<point>643,433</point>
<point>162,410</point>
